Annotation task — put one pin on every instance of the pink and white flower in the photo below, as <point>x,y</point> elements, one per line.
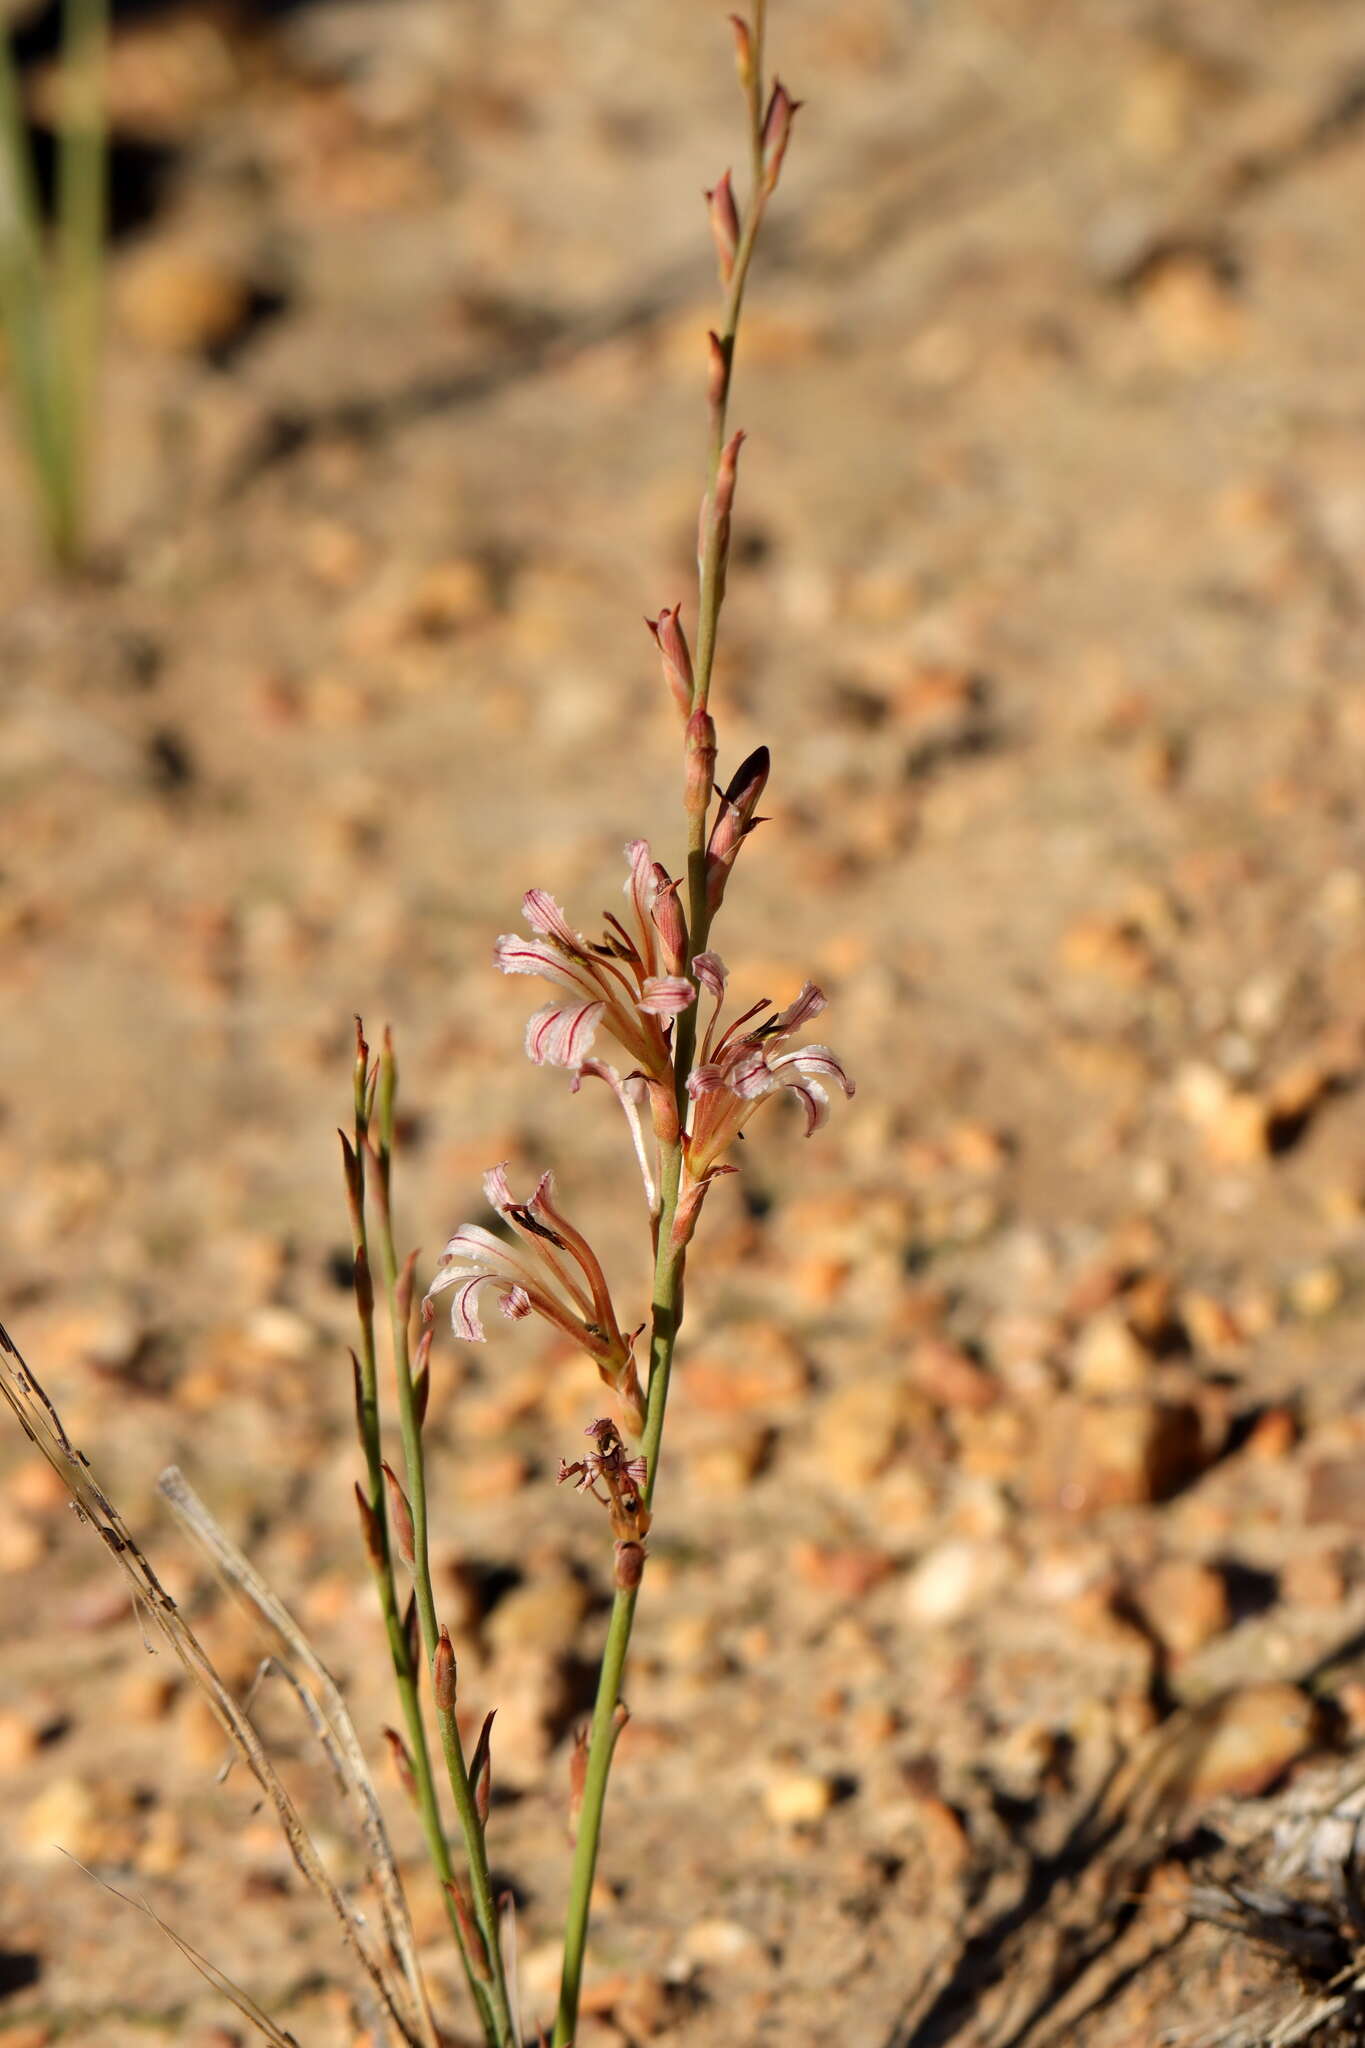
<point>740,1067</point>
<point>630,983</point>
<point>553,1273</point>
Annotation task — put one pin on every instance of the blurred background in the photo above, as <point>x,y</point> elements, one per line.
<point>1019,1412</point>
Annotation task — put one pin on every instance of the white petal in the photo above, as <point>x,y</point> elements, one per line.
<point>464,1311</point>
<point>561,1034</point>
<point>808,1004</point>
<point>666,995</point>
<point>514,954</point>
<point>711,972</point>
<point>812,1060</point>
<point>544,915</point>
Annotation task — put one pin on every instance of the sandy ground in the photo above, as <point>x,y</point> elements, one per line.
<point>1018,1431</point>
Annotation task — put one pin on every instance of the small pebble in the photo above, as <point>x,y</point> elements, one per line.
<point>796,1798</point>
<point>955,1579</point>
<point>1184,1604</point>
<point>1252,1736</point>
<point>1316,1291</point>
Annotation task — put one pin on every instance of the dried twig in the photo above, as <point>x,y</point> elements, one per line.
<point>42,1424</point>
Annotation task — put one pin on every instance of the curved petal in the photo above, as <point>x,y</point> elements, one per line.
<point>515,1304</point>
<point>808,1004</point>
<point>748,1074</point>
<point>813,1060</point>
<point>641,888</point>
<point>496,1192</point>
<point>632,1094</point>
<point>813,1100</point>
<point>666,995</point>
<point>544,915</point>
<point>561,1034</point>
<point>514,954</point>
<point>712,973</point>
<point>706,1079</point>
<point>471,1244</point>
<point>464,1310</point>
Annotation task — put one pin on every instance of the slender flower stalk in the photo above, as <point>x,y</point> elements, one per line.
<point>711,851</point>
<point>394,1517</point>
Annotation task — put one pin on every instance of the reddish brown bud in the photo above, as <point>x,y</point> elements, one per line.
<point>724,215</point>
<point>481,1770</point>
<point>421,1376</point>
<point>473,1940</point>
<point>716,507</point>
<point>364,1078</point>
<point>351,1169</point>
<point>670,923</point>
<point>402,1517</point>
<point>632,1398</point>
<point>671,642</point>
<point>402,1762</point>
<point>443,1674</point>
<point>777,128</point>
<point>629,1566</point>
<point>699,762</point>
<point>370,1530</point>
<point>744,50</point>
<point>402,1293</point>
<point>717,370</point>
<point>364,1286</point>
<point>735,820</point>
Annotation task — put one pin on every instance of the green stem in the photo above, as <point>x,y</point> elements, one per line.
<point>480,1878</point>
<point>669,1265</point>
<point>368,1424</point>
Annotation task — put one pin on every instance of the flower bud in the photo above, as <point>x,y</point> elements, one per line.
<point>715,511</point>
<point>481,1770</point>
<point>421,1376</point>
<point>699,762</point>
<point>672,645</point>
<point>632,1399</point>
<point>370,1530</point>
<point>402,1517</point>
<point>402,1293</point>
<point>735,820</point>
<point>443,1673</point>
<point>717,371</point>
<point>670,923</point>
<point>744,51</point>
<point>777,128</point>
<point>402,1762</point>
<point>724,216</point>
<point>364,1286</point>
<point>475,1947</point>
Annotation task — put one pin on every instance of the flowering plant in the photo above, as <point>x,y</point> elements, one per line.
<point>688,1088</point>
